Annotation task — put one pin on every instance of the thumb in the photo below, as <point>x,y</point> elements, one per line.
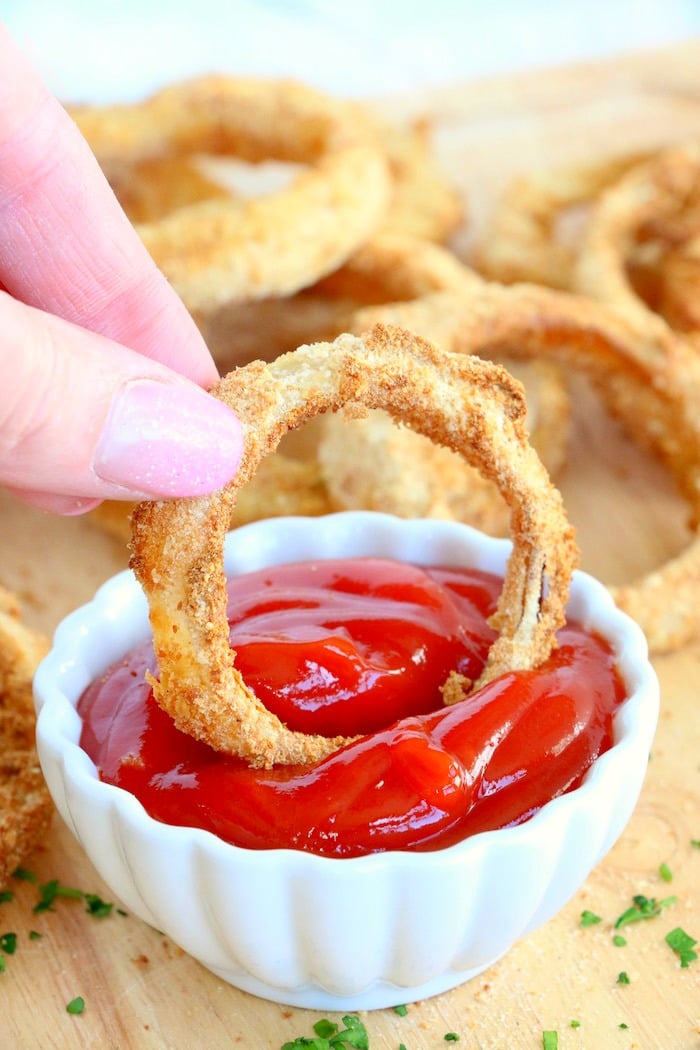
<point>85,418</point>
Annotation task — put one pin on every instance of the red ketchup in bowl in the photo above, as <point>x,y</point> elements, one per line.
<point>361,647</point>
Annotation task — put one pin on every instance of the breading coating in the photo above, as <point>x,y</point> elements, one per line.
<point>25,803</point>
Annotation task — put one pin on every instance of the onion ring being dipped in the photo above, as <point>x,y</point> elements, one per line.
<point>473,406</point>
<point>648,378</point>
<point>215,251</point>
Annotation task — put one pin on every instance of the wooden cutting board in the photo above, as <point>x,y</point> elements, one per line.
<point>140,990</point>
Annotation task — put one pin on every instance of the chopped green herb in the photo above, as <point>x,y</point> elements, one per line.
<point>49,891</point>
<point>6,896</point>
<point>683,945</point>
<point>76,1006</point>
<point>665,872</point>
<point>619,941</point>
<point>120,911</point>
<point>642,908</point>
<point>325,1028</point>
<point>451,1037</point>
<point>401,1010</point>
<point>24,874</point>
<point>623,1025</point>
<point>8,943</point>
<point>589,918</point>
<point>623,978</point>
<point>550,1041</point>
<point>575,1024</point>
<point>695,843</point>
<point>96,907</point>
<point>35,936</point>
<point>2,963</point>
<point>402,1046</point>
<point>329,1037</point>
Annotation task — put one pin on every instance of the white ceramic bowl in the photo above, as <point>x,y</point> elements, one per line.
<point>326,933</point>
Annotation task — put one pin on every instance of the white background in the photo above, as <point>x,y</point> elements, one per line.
<point>103,50</point>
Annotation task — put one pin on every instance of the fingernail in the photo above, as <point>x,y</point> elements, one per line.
<point>167,440</point>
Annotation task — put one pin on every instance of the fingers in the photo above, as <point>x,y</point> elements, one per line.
<point>66,246</point>
<point>82,418</point>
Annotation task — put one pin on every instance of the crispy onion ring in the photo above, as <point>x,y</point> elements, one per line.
<point>214,251</point>
<point>473,406</point>
<point>153,188</point>
<point>521,241</point>
<point>649,379</point>
<point>650,214</point>
<point>25,803</point>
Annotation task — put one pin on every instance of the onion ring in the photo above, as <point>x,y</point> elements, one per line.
<point>656,206</point>
<point>153,188</point>
<point>520,242</point>
<point>473,406</point>
<point>214,251</point>
<point>423,203</point>
<point>25,802</point>
<point>648,378</point>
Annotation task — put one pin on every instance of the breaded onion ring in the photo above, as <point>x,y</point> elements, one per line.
<point>521,240</point>
<point>25,802</point>
<point>423,203</point>
<point>649,379</point>
<point>151,189</point>
<point>651,212</point>
<point>215,251</point>
<point>472,406</point>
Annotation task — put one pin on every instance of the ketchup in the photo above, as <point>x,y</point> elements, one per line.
<point>362,646</point>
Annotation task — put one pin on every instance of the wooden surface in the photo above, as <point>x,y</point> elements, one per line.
<point>142,991</point>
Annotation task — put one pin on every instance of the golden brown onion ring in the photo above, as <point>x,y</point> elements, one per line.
<point>522,242</point>
<point>215,251</point>
<point>653,210</point>
<point>473,406</point>
<point>25,803</point>
<point>151,189</point>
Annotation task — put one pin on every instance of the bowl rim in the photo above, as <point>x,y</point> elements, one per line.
<point>54,703</point>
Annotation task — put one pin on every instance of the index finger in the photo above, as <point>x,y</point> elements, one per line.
<point>67,247</point>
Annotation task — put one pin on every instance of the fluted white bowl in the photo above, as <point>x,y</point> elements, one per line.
<point>330,933</point>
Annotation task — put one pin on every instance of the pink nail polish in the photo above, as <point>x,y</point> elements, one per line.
<point>163,439</point>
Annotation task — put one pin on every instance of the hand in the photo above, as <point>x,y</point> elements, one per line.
<point>102,369</point>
